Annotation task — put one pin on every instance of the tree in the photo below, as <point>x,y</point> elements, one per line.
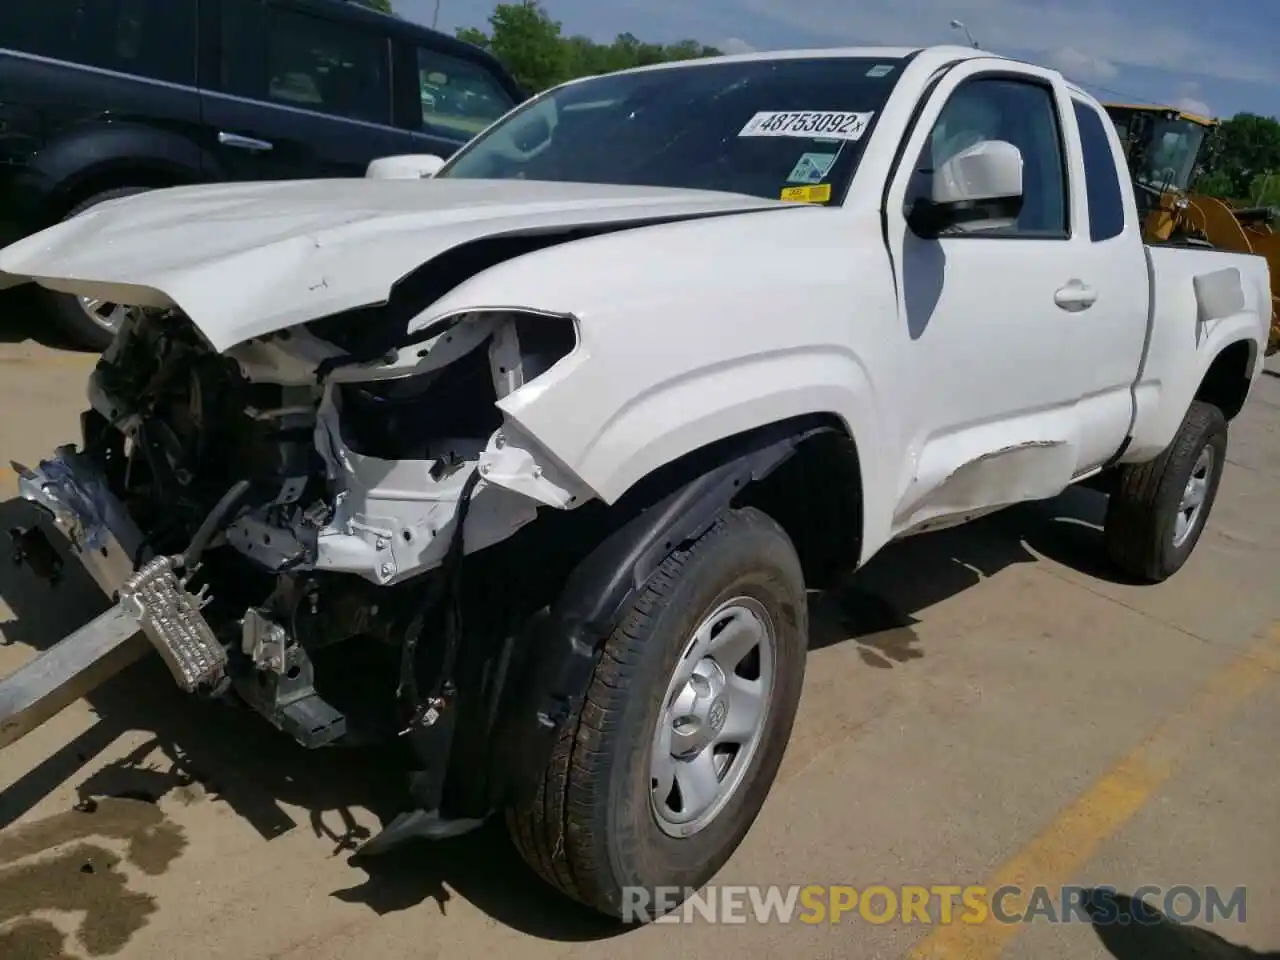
<point>530,43</point>
<point>1264,191</point>
<point>382,6</point>
<point>473,35</point>
<point>1246,148</point>
<point>1215,183</point>
<point>525,38</point>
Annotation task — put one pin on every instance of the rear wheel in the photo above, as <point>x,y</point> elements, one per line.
<point>91,323</point>
<point>1158,510</point>
<point>660,776</point>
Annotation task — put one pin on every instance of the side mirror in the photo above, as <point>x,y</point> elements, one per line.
<point>980,188</point>
<point>416,166</point>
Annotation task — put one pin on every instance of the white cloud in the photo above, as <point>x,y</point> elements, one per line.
<point>1082,66</point>
<point>734,45</point>
<point>1119,34</point>
<point>1190,99</point>
<point>1192,105</point>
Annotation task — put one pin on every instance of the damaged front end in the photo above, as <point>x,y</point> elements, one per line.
<point>288,521</point>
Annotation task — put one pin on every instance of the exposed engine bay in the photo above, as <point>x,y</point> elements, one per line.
<point>305,510</point>
<point>326,456</point>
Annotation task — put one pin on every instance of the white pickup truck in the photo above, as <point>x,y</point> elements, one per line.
<point>531,459</point>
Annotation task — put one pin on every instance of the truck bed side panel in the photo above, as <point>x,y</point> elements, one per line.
<point>1192,323</point>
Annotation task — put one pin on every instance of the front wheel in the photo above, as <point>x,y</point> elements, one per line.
<point>657,780</point>
<point>1158,510</point>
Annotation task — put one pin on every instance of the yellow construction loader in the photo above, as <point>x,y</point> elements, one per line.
<point>1166,149</point>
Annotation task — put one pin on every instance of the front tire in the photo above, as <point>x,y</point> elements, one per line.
<point>661,774</point>
<point>1158,510</point>
<point>90,324</point>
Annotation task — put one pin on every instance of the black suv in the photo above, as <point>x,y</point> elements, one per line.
<point>102,98</point>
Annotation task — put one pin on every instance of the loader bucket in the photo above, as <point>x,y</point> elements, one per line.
<point>1221,227</point>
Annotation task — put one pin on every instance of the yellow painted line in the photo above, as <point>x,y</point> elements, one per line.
<point>1062,848</point>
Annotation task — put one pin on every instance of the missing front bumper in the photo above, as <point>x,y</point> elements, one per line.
<point>153,601</point>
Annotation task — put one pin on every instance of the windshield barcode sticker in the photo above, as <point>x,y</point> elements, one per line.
<point>809,124</point>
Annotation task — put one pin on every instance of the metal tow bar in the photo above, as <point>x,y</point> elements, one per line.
<point>153,609</point>
<point>68,670</point>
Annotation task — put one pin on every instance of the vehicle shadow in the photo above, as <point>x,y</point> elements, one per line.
<point>22,318</point>
<point>267,779</point>
<point>923,268</point>
<point>876,607</point>
<point>1129,931</point>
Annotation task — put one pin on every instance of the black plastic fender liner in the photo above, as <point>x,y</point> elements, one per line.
<point>567,642</point>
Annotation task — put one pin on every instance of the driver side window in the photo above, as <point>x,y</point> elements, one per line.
<point>1019,112</point>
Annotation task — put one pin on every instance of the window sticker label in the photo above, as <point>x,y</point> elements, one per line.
<point>880,70</point>
<point>808,124</point>
<point>819,193</point>
<point>812,168</point>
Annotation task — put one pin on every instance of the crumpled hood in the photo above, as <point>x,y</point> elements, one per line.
<point>244,260</point>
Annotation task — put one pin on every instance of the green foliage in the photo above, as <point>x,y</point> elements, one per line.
<point>1215,184</point>
<point>1244,153</point>
<point>382,6</point>
<point>525,38</point>
<point>1264,191</point>
<point>473,36</point>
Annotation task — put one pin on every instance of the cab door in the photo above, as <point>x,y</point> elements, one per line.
<point>987,314</point>
<point>1106,343</point>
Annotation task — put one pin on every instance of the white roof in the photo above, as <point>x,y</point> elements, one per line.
<point>942,53</point>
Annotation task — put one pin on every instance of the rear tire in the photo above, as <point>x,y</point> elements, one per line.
<point>1158,510</point>
<point>597,825</point>
<point>70,312</point>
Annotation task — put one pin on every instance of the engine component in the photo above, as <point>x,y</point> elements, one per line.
<point>195,426</point>
<point>265,643</point>
<point>171,619</point>
<point>282,685</point>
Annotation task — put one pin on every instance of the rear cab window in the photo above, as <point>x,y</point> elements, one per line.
<point>459,97</point>
<point>155,39</point>
<point>1102,178</point>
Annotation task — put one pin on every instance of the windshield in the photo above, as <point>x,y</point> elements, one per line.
<point>1171,160</point>
<point>781,129</point>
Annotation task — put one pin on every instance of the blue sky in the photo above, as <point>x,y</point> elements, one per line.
<point>1216,56</point>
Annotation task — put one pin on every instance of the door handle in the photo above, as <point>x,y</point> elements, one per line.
<point>1075,296</point>
<point>244,143</point>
